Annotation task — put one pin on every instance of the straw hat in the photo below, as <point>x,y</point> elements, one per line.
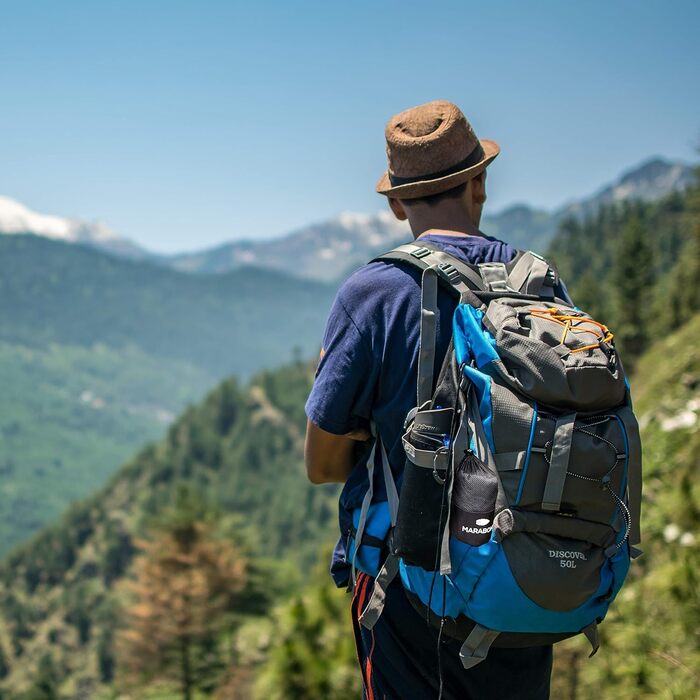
<point>432,148</point>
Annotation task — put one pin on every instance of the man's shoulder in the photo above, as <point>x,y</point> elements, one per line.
<point>379,282</point>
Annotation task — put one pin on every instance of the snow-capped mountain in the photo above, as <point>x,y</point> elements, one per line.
<point>322,251</point>
<point>16,218</point>
<point>326,250</point>
<point>329,249</point>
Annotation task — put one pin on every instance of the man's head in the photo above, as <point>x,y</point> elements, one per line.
<point>443,210</point>
<point>436,176</point>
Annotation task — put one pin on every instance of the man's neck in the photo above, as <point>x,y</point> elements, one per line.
<point>447,228</point>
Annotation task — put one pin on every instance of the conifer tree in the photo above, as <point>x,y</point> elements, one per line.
<point>684,295</point>
<point>185,581</point>
<point>4,664</point>
<point>46,681</point>
<point>633,277</point>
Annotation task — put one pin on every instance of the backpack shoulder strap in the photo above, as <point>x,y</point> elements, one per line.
<point>450,269</point>
<point>530,273</point>
<point>459,277</point>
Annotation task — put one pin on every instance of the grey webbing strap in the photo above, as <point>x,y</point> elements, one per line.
<point>510,461</point>
<point>558,462</point>
<point>428,326</point>
<point>591,632</point>
<point>375,606</point>
<point>366,502</point>
<point>447,261</point>
<point>423,256</point>
<point>495,276</point>
<point>520,272</point>
<point>538,272</point>
<point>390,569</point>
<point>634,473</point>
<point>392,495</point>
<point>476,646</point>
<point>476,425</point>
<point>528,274</point>
<point>461,443</point>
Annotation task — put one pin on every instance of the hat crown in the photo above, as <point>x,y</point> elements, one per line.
<point>428,139</point>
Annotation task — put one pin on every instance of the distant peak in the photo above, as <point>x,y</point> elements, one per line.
<point>654,168</point>
<point>17,218</point>
<point>350,219</point>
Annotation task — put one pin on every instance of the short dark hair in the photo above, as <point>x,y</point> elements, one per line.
<point>433,199</point>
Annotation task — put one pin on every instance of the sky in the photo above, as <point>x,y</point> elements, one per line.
<point>186,124</point>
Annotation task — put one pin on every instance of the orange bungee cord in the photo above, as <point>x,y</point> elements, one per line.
<point>567,321</point>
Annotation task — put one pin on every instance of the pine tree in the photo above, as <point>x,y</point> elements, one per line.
<point>684,295</point>
<point>633,277</point>
<point>312,653</point>
<point>185,581</point>
<point>46,681</point>
<point>4,664</point>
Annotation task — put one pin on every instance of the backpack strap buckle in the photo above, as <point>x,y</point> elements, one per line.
<point>495,276</point>
<point>420,252</point>
<point>449,271</point>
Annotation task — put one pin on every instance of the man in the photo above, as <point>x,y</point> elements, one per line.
<point>437,181</point>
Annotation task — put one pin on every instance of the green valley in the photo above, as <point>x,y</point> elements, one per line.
<point>98,354</point>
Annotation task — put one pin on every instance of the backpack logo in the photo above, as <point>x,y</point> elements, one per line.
<point>567,559</point>
<point>476,530</point>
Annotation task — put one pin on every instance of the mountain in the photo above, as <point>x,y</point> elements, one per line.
<point>16,218</point>
<point>323,251</point>
<point>99,353</point>
<point>648,182</point>
<point>534,229</point>
<point>330,249</point>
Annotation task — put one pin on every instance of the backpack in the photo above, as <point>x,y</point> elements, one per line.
<point>519,503</point>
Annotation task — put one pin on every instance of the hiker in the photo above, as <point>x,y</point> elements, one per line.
<point>364,396</point>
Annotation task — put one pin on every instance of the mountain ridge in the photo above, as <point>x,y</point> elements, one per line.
<point>327,250</point>
<point>351,239</point>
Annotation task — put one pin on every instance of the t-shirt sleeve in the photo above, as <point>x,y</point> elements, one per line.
<point>343,390</point>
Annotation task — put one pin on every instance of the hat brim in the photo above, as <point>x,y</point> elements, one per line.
<point>426,188</point>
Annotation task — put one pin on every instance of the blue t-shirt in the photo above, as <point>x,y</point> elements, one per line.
<point>369,369</point>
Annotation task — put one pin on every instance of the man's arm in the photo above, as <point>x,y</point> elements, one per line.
<point>328,457</point>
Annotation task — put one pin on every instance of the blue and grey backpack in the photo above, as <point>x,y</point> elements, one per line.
<point>520,497</point>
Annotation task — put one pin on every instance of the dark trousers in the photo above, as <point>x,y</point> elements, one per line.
<point>399,659</point>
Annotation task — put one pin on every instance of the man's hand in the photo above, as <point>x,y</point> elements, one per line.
<point>328,457</point>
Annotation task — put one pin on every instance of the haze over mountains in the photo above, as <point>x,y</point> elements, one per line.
<point>329,249</point>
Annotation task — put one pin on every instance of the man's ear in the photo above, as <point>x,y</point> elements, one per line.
<point>478,184</point>
<point>397,208</point>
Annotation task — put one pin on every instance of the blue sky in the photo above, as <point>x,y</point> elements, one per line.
<point>184,124</point>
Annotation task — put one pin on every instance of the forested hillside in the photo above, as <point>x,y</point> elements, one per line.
<point>63,598</point>
<point>635,266</point>
<point>238,455</point>
<point>98,355</point>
